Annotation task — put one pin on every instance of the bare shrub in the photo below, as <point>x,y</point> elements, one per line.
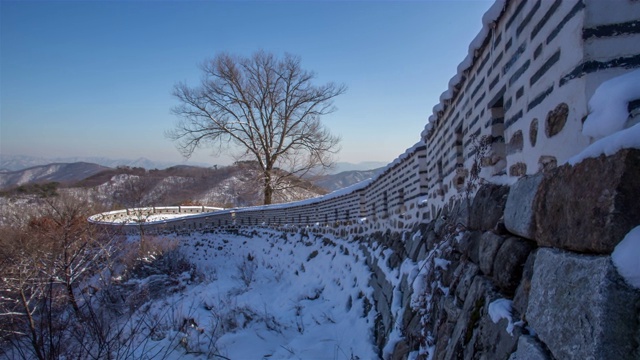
<point>247,270</point>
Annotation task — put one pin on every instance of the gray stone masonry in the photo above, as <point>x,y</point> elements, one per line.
<point>581,308</point>
<point>519,214</point>
<point>529,349</point>
<point>591,206</point>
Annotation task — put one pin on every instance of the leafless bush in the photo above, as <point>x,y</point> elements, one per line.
<point>247,270</point>
<point>62,294</point>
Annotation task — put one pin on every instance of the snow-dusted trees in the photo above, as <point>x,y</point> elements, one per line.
<point>42,261</point>
<point>264,107</point>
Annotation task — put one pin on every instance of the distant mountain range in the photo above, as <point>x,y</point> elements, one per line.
<point>20,162</point>
<point>346,178</point>
<point>62,173</point>
<point>225,185</point>
<point>362,166</point>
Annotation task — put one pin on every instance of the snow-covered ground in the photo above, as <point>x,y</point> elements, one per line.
<point>266,296</point>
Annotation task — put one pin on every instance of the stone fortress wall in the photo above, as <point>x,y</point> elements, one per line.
<point>524,87</point>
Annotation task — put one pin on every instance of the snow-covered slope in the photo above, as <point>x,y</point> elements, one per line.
<point>265,295</point>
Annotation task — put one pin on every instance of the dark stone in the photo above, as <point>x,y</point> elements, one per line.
<point>631,27</point>
<point>581,308</point>
<point>518,73</point>
<point>527,18</point>
<point>444,332</point>
<point>589,66</point>
<point>518,169</point>
<point>475,335</point>
<point>512,120</point>
<point>521,299</point>
<point>519,214</point>
<point>547,163</point>
<point>540,97</point>
<point>475,307</point>
<point>556,119</point>
<point>545,67</point>
<point>488,206</point>
<point>401,350</point>
<point>491,340</point>
<point>529,349</point>
<point>489,245</point>
<point>591,206</point>
<point>469,272</point>
<point>473,247</point>
<point>509,262</point>
<point>516,143</point>
<point>533,132</point>
<point>463,245</point>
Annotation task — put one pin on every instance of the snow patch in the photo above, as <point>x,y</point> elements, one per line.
<point>501,309</point>
<point>609,105</point>
<point>625,139</point>
<point>626,257</point>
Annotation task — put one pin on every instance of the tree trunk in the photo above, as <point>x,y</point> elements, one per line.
<point>32,326</point>
<point>268,188</point>
<point>72,298</point>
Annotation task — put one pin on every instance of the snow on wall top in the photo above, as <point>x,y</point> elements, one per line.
<point>488,19</point>
<point>608,110</point>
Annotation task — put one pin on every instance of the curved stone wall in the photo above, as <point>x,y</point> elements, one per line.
<point>523,88</point>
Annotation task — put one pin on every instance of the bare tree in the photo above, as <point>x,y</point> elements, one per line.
<point>266,108</point>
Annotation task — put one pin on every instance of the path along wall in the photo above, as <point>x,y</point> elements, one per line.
<point>515,109</point>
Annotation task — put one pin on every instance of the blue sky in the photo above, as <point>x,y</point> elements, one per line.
<point>94,78</point>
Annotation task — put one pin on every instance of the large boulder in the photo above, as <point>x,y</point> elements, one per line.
<point>581,308</point>
<point>590,207</point>
<point>488,207</point>
<point>519,214</point>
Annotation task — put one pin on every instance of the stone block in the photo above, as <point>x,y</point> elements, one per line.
<point>533,132</point>
<point>529,349</point>
<point>475,307</point>
<point>521,298</point>
<point>519,214</point>
<point>466,279</point>
<point>413,244</point>
<point>581,308</point>
<point>516,143</point>
<point>489,245</point>
<point>468,244</point>
<point>492,341</point>
<point>509,262</point>
<point>556,119</point>
<point>488,207</point>
<point>591,206</point>
<point>518,169</point>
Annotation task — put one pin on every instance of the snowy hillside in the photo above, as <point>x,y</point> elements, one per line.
<point>261,295</point>
<point>61,172</point>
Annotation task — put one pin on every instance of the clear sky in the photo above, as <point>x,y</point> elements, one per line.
<point>94,78</point>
